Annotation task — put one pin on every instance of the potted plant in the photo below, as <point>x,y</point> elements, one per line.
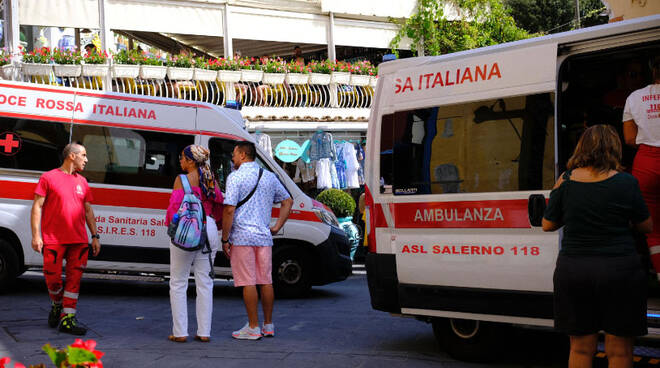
<point>67,63</point>
<point>179,67</point>
<point>343,206</point>
<point>341,73</point>
<point>151,67</point>
<point>297,73</point>
<point>373,78</point>
<point>249,71</point>
<point>203,72</point>
<point>228,70</point>
<point>95,64</point>
<point>37,62</point>
<point>320,72</point>
<point>125,64</point>
<point>6,69</point>
<point>274,71</point>
<point>360,73</point>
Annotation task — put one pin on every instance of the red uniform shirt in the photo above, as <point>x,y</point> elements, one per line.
<point>63,214</point>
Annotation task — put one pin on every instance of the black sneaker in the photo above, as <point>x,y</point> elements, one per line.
<point>69,324</point>
<point>54,315</point>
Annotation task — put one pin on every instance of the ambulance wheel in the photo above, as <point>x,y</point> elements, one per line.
<point>465,339</point>
<point>291,272</point>
<point>8,265</point>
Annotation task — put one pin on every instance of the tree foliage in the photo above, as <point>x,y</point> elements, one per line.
<point>482,23</point>
<point>552,16</point>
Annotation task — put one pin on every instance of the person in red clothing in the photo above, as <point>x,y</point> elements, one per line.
<point>62,206</point>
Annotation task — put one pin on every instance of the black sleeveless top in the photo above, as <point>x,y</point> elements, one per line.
<point>597,216</point>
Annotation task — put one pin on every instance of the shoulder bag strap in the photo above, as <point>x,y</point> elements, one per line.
<point>567,175</point>
<point>185,183</point>
<point>261,170</point>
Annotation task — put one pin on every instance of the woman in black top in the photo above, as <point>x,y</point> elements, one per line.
<point>599,283</point>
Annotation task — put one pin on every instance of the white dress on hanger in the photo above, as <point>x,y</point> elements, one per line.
<point>263,141</point>
<point>323,178</point>
<point>352,166</point>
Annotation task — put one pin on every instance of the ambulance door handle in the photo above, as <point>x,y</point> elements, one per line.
<point>535,209</point>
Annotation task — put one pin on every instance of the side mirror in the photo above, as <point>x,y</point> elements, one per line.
<point>535,209</point>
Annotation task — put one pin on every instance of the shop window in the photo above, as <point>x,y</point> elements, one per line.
<point>32,144</point>
<point>131,157</point>
<point>487,146</point>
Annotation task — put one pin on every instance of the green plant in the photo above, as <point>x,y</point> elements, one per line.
<point>180,61</point>
<point>294,67</point>
<point>223,64</point>
<point>322,67</point>
<point>60,56</point>
<point>340,202</point>
<point>362,68</point>
<point>80,354</point>
<point>150,59</point>
<point>342,66</point>
<point>38,56</point>
<point>247,63</point>
<point>274,66</point>
<point>131,57</point>
<point>201,63</point>
<point>96,57</point>
<point>5,58</point>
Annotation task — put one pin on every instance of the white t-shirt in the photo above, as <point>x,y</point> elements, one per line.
<point>643,106</point>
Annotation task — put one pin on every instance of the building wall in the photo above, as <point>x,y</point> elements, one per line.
<point>628,9</point>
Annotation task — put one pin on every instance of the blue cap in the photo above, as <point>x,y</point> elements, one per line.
<point>389,57</point>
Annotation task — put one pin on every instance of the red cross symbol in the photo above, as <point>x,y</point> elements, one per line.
<point>8,143</point>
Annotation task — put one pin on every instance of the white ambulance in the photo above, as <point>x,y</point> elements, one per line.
<point>133,144</point>
<point>463,150</point>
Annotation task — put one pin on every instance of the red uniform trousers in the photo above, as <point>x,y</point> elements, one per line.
<point>65,293</point>
<point>646,168</point>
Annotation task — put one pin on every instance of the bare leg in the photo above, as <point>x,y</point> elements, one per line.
<point>583,349</point>
<point>619,351</point>
<point>251,300</point>
<point>267,300</point>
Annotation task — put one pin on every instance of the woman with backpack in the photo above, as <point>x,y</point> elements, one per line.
<point>190,249</point>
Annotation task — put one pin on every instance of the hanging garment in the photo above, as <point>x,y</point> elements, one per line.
<point>352,165</point>
<point>306,170</point>
<point>323,177</point>
<point>360,158</point>
<point>321,146</point>
<point>333,175</point>
<point>263,141</point>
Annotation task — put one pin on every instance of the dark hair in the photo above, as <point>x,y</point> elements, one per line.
<point>296,47</point>
<point>654,64</point>
<point>70,148</point>
<point>598,147</point>
<point>90,45</point>
<point>247,148</point>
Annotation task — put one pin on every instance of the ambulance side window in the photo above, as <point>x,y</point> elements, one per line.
<point>131,157</point>
<point>485,146</point>
<point>221,164</point>
<point>32,144</point>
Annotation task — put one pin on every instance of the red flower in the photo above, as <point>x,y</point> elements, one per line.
<point>88,345</point>
<point>6,360</point>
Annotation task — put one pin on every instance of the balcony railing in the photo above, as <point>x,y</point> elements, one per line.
<point>251,88</point>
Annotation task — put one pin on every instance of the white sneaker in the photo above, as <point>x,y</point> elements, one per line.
<point>247,333</point>
<point>268,330</point>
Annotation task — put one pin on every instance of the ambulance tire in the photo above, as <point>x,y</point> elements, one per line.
<point>9,268</point>
<point>292,272</point>
<point>467,340</point>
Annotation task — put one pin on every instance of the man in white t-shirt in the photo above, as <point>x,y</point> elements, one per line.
<point>641,128</point>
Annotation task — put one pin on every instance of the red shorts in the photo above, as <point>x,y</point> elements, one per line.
<point>251,265</point>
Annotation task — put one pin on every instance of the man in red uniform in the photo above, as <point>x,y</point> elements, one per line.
<point>62,205</point>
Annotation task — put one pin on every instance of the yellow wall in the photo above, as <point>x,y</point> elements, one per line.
<point>628,9</point>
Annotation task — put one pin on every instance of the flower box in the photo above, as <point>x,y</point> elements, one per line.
<point>373,80</point>
<point>152,72</point>
<point>340,77</point>
<point>318,78</point>
<point>67,70</point>
<point>125,70</point>
<point>274,78</point>
<point>6,72</point>
<point>174,73</point>
<point>297,78</point>
<point>229,76</point>
<point>95,70</point>
<point>204,75</point>
<point>248,75</point>
<point>359,80</point>
<point>36,69</point>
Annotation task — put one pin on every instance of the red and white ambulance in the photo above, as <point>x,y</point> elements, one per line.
<point>133,143</point>
<point>463,150</point>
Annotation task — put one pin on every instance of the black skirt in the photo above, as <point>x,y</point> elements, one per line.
<point>593,294</point>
